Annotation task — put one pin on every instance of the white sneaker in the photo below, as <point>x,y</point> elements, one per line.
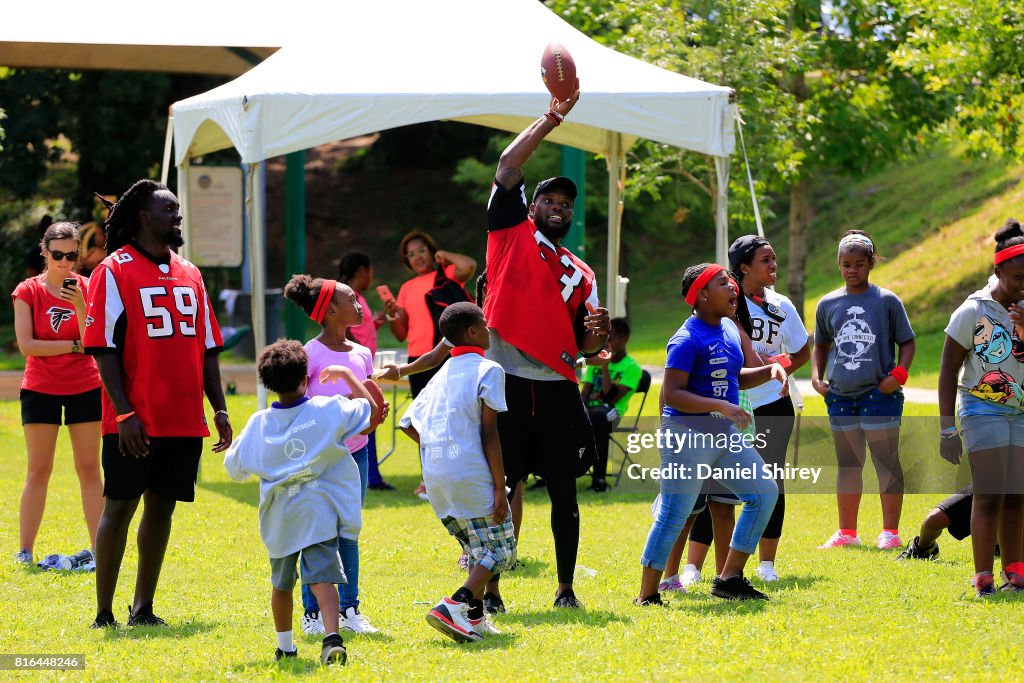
<point>452,619</point>
<point>352,620</point>
<point>766,571</point>
<point>484,626</point>
<point>888,541</point>
<point>312,624</point>
<point>690,575</point>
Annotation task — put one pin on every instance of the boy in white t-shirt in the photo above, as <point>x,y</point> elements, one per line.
<point>309,484</point>
<point>455,422</point>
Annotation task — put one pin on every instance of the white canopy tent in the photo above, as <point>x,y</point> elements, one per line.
<point>400,62</point>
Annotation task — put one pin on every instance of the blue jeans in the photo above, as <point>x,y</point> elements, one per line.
<point>348,550</point>
<point>679,494</point>
<point>374,478</point>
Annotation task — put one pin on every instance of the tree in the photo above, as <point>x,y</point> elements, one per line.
<point>814,84</point>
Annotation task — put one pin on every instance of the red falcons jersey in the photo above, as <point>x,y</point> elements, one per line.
<point>536,292</point>
<point>158,317</point>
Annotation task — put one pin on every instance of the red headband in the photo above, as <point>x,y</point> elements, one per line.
<point>1008,253</point>
<point>701,282</point>
<point>322,301</point>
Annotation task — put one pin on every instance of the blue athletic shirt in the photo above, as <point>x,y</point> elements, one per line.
<point>712,355</point>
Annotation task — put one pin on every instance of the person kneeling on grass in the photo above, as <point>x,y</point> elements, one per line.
<point>455,422</point>
<point>309,484</point>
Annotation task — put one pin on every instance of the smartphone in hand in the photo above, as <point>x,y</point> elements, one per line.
<point>69,283</point>
<point>385,293</point>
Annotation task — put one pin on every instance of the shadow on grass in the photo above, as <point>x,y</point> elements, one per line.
<point>348,636</point>
<point>248,492</point>
<point>185,630</point>
<point>505,640</point>
<point>527,567</point>
<point>307,662</point>
<point>564,616</point>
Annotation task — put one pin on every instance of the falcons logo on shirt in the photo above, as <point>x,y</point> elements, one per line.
<point>58,316</point>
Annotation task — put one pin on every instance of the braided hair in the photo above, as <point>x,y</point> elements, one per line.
<point>122,223</point>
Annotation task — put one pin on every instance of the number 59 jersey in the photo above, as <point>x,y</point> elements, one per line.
<point>158,317</point>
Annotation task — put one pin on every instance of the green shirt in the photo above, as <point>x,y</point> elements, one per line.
<point>625,373</point>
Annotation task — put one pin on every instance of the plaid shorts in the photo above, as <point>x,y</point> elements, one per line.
<point>491,547</point>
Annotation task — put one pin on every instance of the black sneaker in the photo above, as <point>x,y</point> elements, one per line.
<point>279,654</point>
<point>654,599</point>
<point>493,604</point>
<point>333,650</point>
<point>735,588</point>
<point>144,617</point>
<point>568,600</point>
<point>105,619</point>
<point>914,551</point>
<point>599,486</point>
<point>383,486</point>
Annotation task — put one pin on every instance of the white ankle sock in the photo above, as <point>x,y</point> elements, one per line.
<point>285,641</point>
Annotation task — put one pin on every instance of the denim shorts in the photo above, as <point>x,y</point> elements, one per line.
<point>985,425</point>
<point>869,411</point>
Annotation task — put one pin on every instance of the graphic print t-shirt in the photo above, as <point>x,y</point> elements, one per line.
<point>54,318</point>
<point>713,357</point>
<point>994,365</point>
<point>158,317</point>
<point>770,337</point>
<point>863,330</point>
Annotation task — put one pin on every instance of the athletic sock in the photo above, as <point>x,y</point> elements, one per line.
<point>849,532</point>
<point>476,609</point>
<point>463,595</point>
<point>669,579</point>
<point>894,532</point>
<point>285,641</point>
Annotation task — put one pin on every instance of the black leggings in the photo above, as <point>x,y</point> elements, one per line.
<point>775,422</point>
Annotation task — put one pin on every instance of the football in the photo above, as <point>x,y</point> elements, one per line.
<point>558,70</point>
<point>378,398</point>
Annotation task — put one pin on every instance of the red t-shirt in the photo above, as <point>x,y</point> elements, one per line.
<point>158,317</point>
<point>55,318</point>
<point>537,292</point>
<point>413,298</point>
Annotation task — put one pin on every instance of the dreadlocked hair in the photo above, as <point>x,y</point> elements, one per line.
<point>303,290</point>
<point>122,223</point>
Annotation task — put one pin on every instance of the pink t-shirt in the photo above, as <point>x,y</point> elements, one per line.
<point>359,360</point>
<point>365,333</point>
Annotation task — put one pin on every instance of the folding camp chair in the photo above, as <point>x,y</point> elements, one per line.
<point>642,388</point>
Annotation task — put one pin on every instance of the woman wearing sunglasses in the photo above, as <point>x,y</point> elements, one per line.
<point>49,321</point>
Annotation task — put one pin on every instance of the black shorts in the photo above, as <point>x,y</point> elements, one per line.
<point>40,408</point>
<point>170,469</point>
<point>545,431</point>
<point>958,508</point>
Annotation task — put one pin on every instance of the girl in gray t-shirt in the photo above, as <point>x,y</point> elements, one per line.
<point>863,345</point>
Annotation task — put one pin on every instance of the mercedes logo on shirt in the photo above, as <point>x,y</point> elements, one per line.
<point>294,449</point>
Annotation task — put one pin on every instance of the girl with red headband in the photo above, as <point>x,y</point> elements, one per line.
<point>858,328</point>
<point>335,307</point>
<point>984,339</point>
<point>708,362</point>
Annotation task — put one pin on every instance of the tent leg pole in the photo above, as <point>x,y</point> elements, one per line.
<point>183,202</point>
<point>616,176</point>
<point>722,211</point>
<point>165,167</point>
<point>257,253</point>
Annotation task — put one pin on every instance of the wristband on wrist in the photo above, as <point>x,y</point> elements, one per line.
<point>949,432</point>
<point>554,117</point>
<point>219,412</point>
<point>124,416</point>
<point>900,374</point>
<point>391,318</point>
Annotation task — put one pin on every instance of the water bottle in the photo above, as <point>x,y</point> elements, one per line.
<point>79,559</point>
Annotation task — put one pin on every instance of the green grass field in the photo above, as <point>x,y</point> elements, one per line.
<point>839,615</point>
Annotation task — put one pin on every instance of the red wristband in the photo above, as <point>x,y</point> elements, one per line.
<point>900,374</point>
<point>782,359</point>
<point>121,418</point>
<point>555,117</point>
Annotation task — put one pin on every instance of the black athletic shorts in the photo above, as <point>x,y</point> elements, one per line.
<point>40,408</point>
<point>170,469</point>
<point>958,508</point>
<point>545,431</point>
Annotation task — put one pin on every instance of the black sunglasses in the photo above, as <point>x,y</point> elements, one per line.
<point>58,255</point>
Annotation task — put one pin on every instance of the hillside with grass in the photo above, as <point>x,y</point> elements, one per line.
<point>932,218</point>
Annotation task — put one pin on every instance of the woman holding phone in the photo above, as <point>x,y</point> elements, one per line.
<point>49,321</point>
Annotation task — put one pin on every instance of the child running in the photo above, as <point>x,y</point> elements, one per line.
<point>308,485</point>
<point>703,375</point>
<point>984,340</point>
<point>857,330</point>
<point>455,422</point>
<point>335,307</point>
